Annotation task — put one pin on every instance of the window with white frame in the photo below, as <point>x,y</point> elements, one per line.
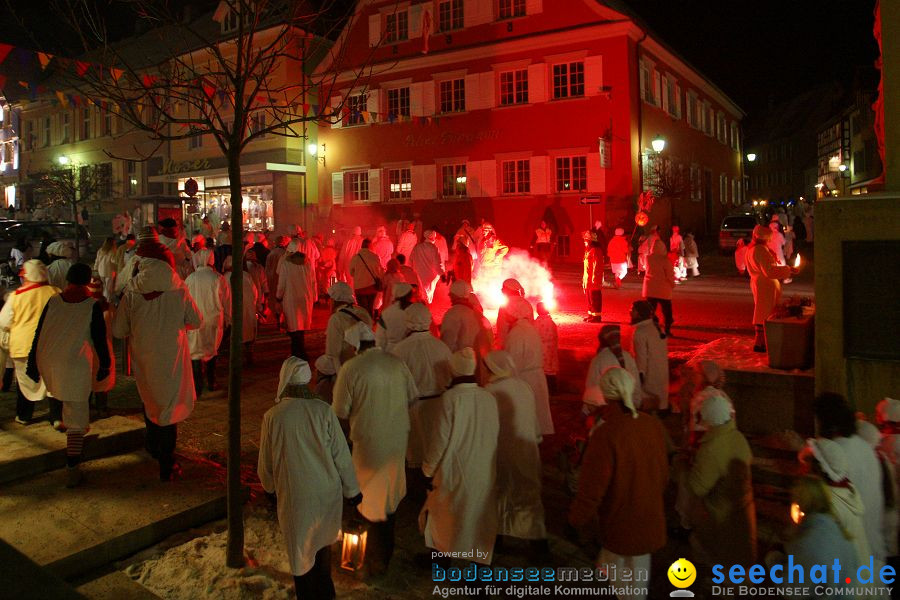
<point>514,87</point>
<point>571,173</point>
<point>453,181</point>
<point>721,127</point>
<point>398,102</point>
<point>230,22</point>
<point>356,105</point>
<point>453,95</point>
<point>516,176</point>
<point>131,178</point>
<point>693,112</point>
<point>708,118</point>
<point>450,15</point>
<point>65,128</point>
<point>568,80</point>
<point>400,184</point>
<point>357,186</point>
<point>648,90</point>
<point>695,183</point>
<point>735,192</point>
<point>45,131</point>
<point>85,133</point>
<point>195,142</point>
<point>257,123</point>
<point>509,9</point>
<point>397,26</point>
<point>723,188</point>
<point>735,139</point>
<point>28,134</point>
<point>108,122</point>
<point>669,97</point>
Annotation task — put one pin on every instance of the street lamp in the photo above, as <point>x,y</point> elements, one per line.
<point>751,157</point>
<point>317,153</point>
<point>63,160</point>
<point>658,144</point>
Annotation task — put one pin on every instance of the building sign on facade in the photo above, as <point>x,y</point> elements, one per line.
<point>605,153</point>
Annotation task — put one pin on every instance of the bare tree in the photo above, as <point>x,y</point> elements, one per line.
<point>242,73</point>
<point>665,178</point>
<point>72,186</point>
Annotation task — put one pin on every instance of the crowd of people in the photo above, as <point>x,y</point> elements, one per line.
<point>450,415</point>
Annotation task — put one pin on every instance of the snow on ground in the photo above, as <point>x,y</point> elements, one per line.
<point>195,569</point>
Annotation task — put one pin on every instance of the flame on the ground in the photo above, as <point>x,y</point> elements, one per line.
<point>524,268</point>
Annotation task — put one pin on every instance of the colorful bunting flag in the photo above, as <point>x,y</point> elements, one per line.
<point>44,59</point>
<point>62,99</point>
<point>116,73</point>
<point>81,67</point>
<point>149,80</point>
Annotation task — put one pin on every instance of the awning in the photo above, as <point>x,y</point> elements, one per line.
<point>223,172</point>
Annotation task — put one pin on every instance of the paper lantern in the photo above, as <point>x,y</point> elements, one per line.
<point>353,551</point>
<point>642,218</point>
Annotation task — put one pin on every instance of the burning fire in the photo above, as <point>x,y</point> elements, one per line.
<point>528,271</point>
<point>797,261</point>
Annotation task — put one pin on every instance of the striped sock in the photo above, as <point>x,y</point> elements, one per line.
<point>74,446</point>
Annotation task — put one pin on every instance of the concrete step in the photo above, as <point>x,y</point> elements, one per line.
<point>28,450</point>
<point>115,586</point>
<point>24,580</point>
<point>120,507</point>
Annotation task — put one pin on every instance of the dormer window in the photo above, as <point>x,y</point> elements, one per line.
<point>230,22</point>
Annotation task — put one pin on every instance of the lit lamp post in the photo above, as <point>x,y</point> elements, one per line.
<point>658,144</point>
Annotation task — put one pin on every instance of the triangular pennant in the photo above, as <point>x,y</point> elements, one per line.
<point>366,116</point>
<point>115,108</point>
<point>209,91</point>
<point>62,99</point>
<point>148,80</point>
<point>315,109</point>
<point>81,67</point>
<point>5,49</point>
<point>138,109</point>
<point>44,59</point>
<point>305,109</point>
<point>76,100</point>
<point>116,73</point>
<point>24,84</point>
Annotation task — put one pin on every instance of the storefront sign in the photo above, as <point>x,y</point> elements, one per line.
<point>605,158</point>
<point>171,166</point>
<point>451,137</point>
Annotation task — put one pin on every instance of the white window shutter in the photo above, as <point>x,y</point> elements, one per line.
<point>473,98</point>
<point>489,178</point>
<point>415,99</point>
<point>486,89</point>
<point>372,104</point>
<point>539,175</point>
<point>335,104</point>
<point>374,29</point>
<point>593,75</point>
<point>374,185</point>
<point>537,83</point>
<point>596,176</point>
<point>415,20</point>
<point>337,187</point>
<point>428,98</point>
<point>473,179</point>
<point>533,7</point>
<point>424,184</point>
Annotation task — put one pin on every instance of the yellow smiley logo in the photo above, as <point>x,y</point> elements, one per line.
<point>682,573</point>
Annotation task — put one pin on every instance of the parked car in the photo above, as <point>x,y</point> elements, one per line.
<point>735,227</point>
<point>36,231</point>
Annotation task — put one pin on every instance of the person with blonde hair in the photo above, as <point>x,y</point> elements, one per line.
<point>623,480</point>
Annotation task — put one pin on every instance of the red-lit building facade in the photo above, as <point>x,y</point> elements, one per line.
<point>516,111</point>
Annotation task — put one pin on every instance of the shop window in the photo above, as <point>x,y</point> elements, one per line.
<point>516,176</point>
<point>571,173</point>
<point>398,102</point>
<point>568,80</point>
<point>453,181</point>
<point>357,189</point>
<point>514,87</point>
<point>509,9</point>
<point>400,184</point>
<point>453,95</point>
<point>356,105</point>
<point>397,27</point>
<point>450,15</point>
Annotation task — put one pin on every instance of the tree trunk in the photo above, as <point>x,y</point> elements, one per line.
<point>234,555</point>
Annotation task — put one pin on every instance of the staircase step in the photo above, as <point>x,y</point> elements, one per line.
<point>27,450</point>
<point>120,507</point>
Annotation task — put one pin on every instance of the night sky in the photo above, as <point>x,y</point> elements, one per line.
<point>755,51</point>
